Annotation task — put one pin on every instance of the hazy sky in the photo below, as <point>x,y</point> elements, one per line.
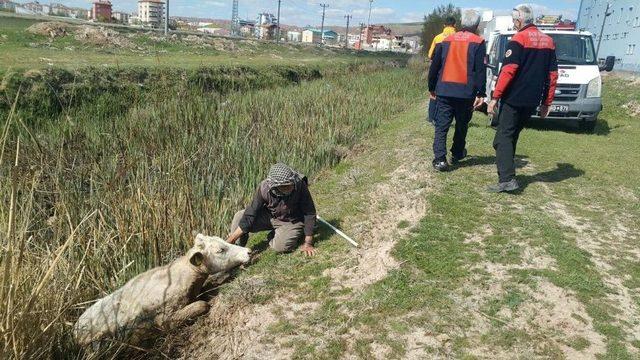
<point>308,12</point>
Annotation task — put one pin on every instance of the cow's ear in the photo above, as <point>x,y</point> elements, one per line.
<point>196,259</point>
<point>199,241</point>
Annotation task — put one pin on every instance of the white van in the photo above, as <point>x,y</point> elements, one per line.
<point>578,95</point>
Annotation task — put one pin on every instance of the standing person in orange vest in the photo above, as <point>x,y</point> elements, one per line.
<point>457,80</point>
<point>449,29</point>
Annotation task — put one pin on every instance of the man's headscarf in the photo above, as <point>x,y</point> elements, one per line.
<point>281,174</point>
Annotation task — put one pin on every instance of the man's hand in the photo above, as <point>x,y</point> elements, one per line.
<point>478,102</point>
<point>307,248</point>
<point>235,236</point>
<point>491,108</point>
<point>432,95</point>
<point>544,111</point>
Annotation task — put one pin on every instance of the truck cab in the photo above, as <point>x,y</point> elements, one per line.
<point>578,94</point>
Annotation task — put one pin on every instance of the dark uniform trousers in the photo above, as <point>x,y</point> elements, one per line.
<point>433,111</point>
<point>511,121</point>
<point>447,109</point>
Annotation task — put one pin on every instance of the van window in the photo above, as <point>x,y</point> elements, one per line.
<point>574,49</point>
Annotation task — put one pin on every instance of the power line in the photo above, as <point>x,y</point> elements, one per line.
<point>346,38</point>
<point>324,9</point>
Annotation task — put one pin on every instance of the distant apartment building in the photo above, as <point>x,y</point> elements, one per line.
<point>621,34</point>
<point>58,9</point>
<point>101,11</point>
<point>247,28</point>
<point>266,26</point>
<point>121,17</point>
<point>372,34</point>
<point>34,8</point>
<point>7,5</point>
<point>151,12</point>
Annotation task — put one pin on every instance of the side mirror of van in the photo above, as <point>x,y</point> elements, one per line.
<point>609,62</point>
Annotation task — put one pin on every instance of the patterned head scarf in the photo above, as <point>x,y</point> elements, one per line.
<point>280,175</point>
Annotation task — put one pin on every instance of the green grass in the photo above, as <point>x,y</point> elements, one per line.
<point>23,50</point>
<point>439,267</point>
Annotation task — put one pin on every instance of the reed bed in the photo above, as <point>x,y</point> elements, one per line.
<point>100,192</point>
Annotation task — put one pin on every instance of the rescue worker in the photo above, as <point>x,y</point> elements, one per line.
<point>457,79</point>
<point>282,205</point>
<point>449,29</point>
<point>527,81</point>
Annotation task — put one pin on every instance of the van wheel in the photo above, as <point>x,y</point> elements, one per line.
<point>588,126</point>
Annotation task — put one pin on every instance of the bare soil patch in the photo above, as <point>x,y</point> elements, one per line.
<point>52,29</point>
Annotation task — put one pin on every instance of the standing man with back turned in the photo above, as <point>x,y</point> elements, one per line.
<point>457,79</point>
<point>527,80</point>
<point>449,29</point>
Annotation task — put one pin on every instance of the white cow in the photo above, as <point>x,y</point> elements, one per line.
<point>163,297</point>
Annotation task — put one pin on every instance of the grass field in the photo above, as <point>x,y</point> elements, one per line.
<point>551,272</point>
<point>20,49</point>
<point>101,180</point>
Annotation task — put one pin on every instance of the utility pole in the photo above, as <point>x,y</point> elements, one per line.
<point>166,20</point>
<point>370,5</point>
<point>360,37</point>
<point>604,20</point>
<point>324,9</point>
<point>278,32</point>
<point>346,38</point>
<point>235,20</point>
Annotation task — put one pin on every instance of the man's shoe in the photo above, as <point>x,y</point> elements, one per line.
<point>441,166</point>
<point>455,160</point>
<point>509,186</point>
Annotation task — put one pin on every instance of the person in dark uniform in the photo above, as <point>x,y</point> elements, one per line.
<point>527,81</point>
<point>282,205</point>
<point>457,78</point>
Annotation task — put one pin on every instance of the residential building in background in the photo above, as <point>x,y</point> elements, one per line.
<point>621,34</point>
<point>372,34</point>
<point>7,5</point>
<point>101,11</point>
<point>266,26</point>
<point>313,36</point>
<point>247,27</point>
<point>121,17</point>
<point>294,36</point>
<point>151,13</point>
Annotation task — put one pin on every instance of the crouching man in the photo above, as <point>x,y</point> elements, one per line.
<point>282,205</point>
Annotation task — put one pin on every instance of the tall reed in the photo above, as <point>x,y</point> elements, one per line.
<point>102,192</point>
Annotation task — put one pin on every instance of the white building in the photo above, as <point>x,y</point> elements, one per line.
<point>151,12</point>
<point>121,17</point>
<point>294,36</point>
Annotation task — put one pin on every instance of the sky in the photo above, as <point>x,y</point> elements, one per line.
<point>309,12</point>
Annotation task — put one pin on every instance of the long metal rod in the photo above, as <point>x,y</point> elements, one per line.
<point>337,231</point>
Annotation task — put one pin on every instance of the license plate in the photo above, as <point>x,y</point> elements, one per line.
<point>559,108</point>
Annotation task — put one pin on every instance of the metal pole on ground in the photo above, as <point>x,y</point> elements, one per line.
<point>337,231</point>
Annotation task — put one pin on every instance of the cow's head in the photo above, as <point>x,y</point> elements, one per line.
<point>212,255</point>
